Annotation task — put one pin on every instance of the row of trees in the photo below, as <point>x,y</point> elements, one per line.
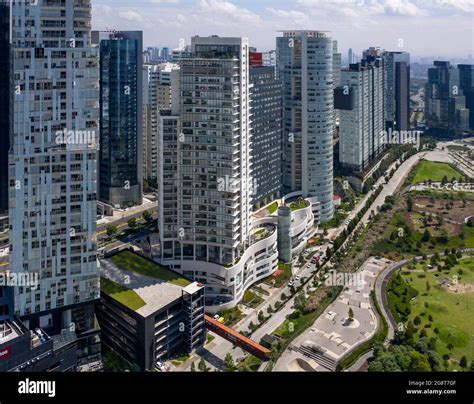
<point>132,223</point>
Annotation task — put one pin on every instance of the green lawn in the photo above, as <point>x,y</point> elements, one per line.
<point>249,364</point>
<point>251,299</point>
<point>468,236</point>
<point>122,294</point>
<point>451,312</point>
<point>180,359</point>
<point>272,208</point>
<point>434,171</point>
<point>280,280</point>
<point>209,338</point>
<point>129,261</point>
<point>231,316</point>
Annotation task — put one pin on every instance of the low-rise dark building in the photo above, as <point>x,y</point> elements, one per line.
<point>149,316</point>
<point>22,350</point>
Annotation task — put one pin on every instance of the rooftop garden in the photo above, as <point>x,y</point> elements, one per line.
<point>272,208</point>
<point>299,204</point>
<point>132,262</point>
<point>122,294</point>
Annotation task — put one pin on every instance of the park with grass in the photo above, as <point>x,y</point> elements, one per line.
<point>434,171</point>
<point>129,261</point>
<point>433,299</point>
<point>425,223</point>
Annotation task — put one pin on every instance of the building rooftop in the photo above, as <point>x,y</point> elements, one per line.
<point>9,331</point>
<point>129,261</point>
<point>141,284</point>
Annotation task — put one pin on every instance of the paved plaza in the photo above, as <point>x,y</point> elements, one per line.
<point>333,335</point>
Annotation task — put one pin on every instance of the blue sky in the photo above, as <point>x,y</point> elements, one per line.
<point>422,27</point>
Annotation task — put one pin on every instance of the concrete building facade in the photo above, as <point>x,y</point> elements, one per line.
<point>207,185</point>
<point>360,101</point>
<point>53,169</point>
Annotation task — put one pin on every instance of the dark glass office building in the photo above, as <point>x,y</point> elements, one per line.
<point>466,83</point>
<point>397,90</point>
<point>5,101</point>
<point>120,155</point>
<point>266,106</point>
<point>445,100</point>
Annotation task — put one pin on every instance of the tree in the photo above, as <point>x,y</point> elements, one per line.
<point>463,362</point>
<point>419,363</point>
<point>111,231</point>
<point>229,363</point>
<point>417,320</point>
<point>132,223</point>
<point>147,216</point>
<point>409,204</point>
<point>193,367</point>
<point>350,314</point>
<point>300,301</point>
<point>261,317</point>
<point>426,236</point>
<point>202,366</point>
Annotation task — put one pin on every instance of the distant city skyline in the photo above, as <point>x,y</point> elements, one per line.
<point>424,28</point>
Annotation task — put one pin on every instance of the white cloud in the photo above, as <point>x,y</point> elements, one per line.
<point>427,26</point>
<point>212,7</point>
<point>130,15</point>
<point>295,16</point>
<point>462,5</point>
<point>403,8</point>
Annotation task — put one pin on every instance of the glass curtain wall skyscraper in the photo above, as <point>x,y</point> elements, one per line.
<point>121,100</point>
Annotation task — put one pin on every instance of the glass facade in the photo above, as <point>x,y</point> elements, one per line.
<point>120,99</point>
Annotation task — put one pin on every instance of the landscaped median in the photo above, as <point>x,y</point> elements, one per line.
<point>299,322</point>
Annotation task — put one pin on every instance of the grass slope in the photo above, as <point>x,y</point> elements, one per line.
<point>122,294</point>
